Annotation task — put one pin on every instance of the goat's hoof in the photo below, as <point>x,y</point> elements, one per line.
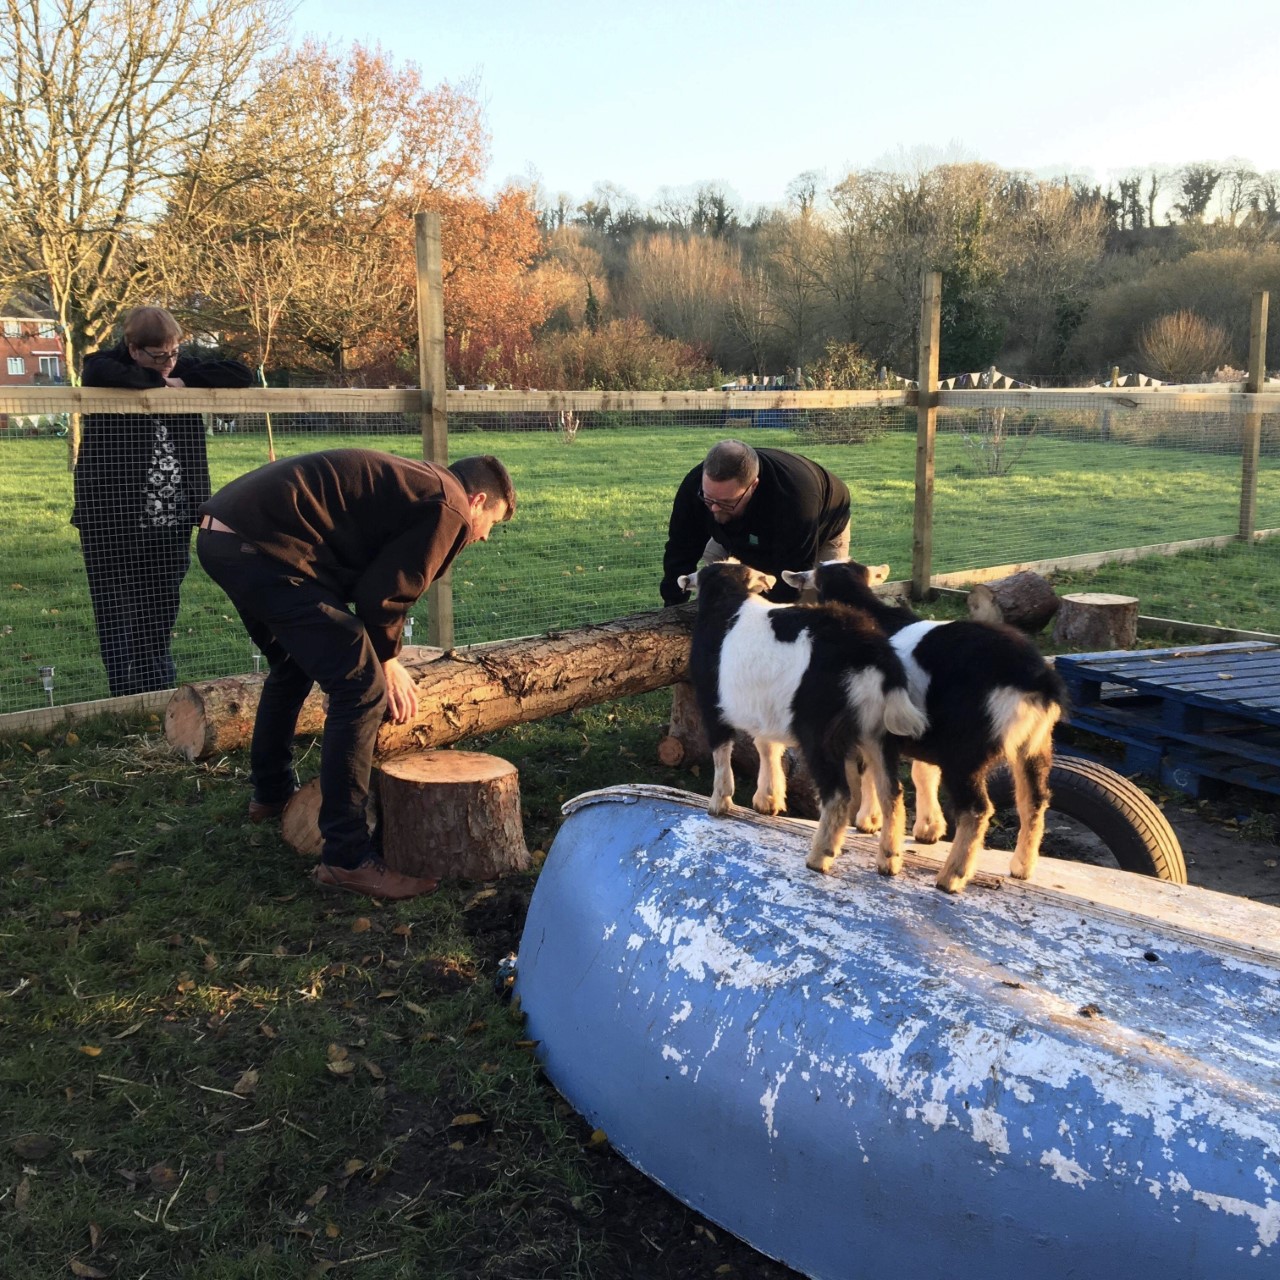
<point>1021,868</point>
<point>820,862</point>
<point>950,883</point>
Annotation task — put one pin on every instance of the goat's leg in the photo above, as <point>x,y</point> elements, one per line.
<point>973,813</point>
<point>828,839</point>
<point>721,801</point>
<point>930,824</point>
<point>1031,790</point>
<point>882,764</point>
<point>771,783</point>
<point>865,803</point>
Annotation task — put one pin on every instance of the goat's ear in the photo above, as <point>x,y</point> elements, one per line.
<point>876,574</point>
<point>687,582</point>
<point>757,581</point>
<point>797,578</point>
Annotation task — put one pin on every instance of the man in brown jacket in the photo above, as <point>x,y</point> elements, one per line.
<point>293,544</point>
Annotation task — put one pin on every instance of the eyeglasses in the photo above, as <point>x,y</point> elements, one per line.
<point>726,505</point>
<point>160,357</point>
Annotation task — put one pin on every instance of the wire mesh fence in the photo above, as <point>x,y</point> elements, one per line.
<point>595,474</point>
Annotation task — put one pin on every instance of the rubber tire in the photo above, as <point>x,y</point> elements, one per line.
<point>1120,814</point>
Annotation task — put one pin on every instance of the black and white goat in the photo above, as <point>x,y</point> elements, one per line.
<point>820,677</point>
<point>988,695</point>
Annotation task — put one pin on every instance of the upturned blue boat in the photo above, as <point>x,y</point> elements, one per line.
<point>862,1076</point>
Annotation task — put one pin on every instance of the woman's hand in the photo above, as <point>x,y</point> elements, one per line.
<point>402,693</point>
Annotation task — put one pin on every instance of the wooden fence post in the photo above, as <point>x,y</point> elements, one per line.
<point>926,430</point>
<point>1252,439</point>
<point>431,382</point>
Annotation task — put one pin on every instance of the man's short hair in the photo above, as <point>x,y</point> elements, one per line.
<point>483,473</point>
<point>732,460</point>
<point>151,327</point>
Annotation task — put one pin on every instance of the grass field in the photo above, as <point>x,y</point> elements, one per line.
<point>587,542</point>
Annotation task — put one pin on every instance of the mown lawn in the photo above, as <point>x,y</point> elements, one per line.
<point>587,541</point>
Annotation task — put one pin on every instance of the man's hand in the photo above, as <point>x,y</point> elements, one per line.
<point>173,382</point>
<point>402,693</point>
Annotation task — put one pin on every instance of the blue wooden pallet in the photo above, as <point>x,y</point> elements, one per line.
<point>1193,717</point>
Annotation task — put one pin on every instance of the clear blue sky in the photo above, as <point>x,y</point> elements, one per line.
<point>748,93</point>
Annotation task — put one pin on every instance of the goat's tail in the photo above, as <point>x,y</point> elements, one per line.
<point>902,716</point>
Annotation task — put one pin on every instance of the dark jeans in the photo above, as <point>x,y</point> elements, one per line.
<point>309,636</point>
<point>135,581</point>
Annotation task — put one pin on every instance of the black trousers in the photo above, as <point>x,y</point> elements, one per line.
<point>135,582</point>
<point>309,636</point>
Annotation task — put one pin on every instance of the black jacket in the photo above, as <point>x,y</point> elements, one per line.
<point>797,506</point>
<point>111,470</point>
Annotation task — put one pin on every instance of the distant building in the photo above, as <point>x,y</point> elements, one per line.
<point>32,353</point>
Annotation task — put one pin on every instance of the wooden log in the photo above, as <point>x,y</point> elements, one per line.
<point>1096,620</point>
<point>300,821</point>
<point>214,716</point>
<point>452,814</point>
<point>1024,600</point>
<point>478,690</point>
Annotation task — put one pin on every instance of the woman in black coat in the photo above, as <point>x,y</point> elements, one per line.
<point>139,480</point>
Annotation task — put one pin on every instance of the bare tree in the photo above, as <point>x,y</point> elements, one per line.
<point>101,104</point>
<point>1182,346</point>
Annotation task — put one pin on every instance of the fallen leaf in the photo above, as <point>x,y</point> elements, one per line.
<point>343,1067</point>
<point>83,1154</point>
<point>163,1177</point>
<point>242,965</point>
<point>266,1029</point>
<point>482,896</point>
<point>475,1027</point>
<point>34,1146</point>
<point>316,1196</point>
<point>402,930</point>
<point>90,1050</point>
<point>247,1085</point>
<point>95,1235</point>
<point>361,924</point>
<point>373,1069</point>
<point>468,1117</point>
<point>598,1138</point>
<point>211,1195</point>
<point>210,962</point>
<point>22,1196</point>
<point>352,1166</point>
<point>388,993</point>
<point>79,1268</point>
<point>331,1230</point>
<point>415,1008</point>
<point>129,1031</point>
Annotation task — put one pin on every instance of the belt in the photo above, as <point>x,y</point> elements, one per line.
<point>214,525</point>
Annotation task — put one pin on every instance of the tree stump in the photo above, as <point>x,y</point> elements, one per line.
<point>453,814</point>
<point>1023,600</point>
<point>300,821</point>
<point>1096,620</point>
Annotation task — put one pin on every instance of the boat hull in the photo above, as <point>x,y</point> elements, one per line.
<point>856,1073</point>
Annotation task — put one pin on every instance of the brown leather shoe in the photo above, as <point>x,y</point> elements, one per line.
<point>375,878</point>
<point>267,811</point>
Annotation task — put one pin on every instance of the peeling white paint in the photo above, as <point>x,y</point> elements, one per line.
<point>1064,1169</point>
<point>1266,1217</point>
